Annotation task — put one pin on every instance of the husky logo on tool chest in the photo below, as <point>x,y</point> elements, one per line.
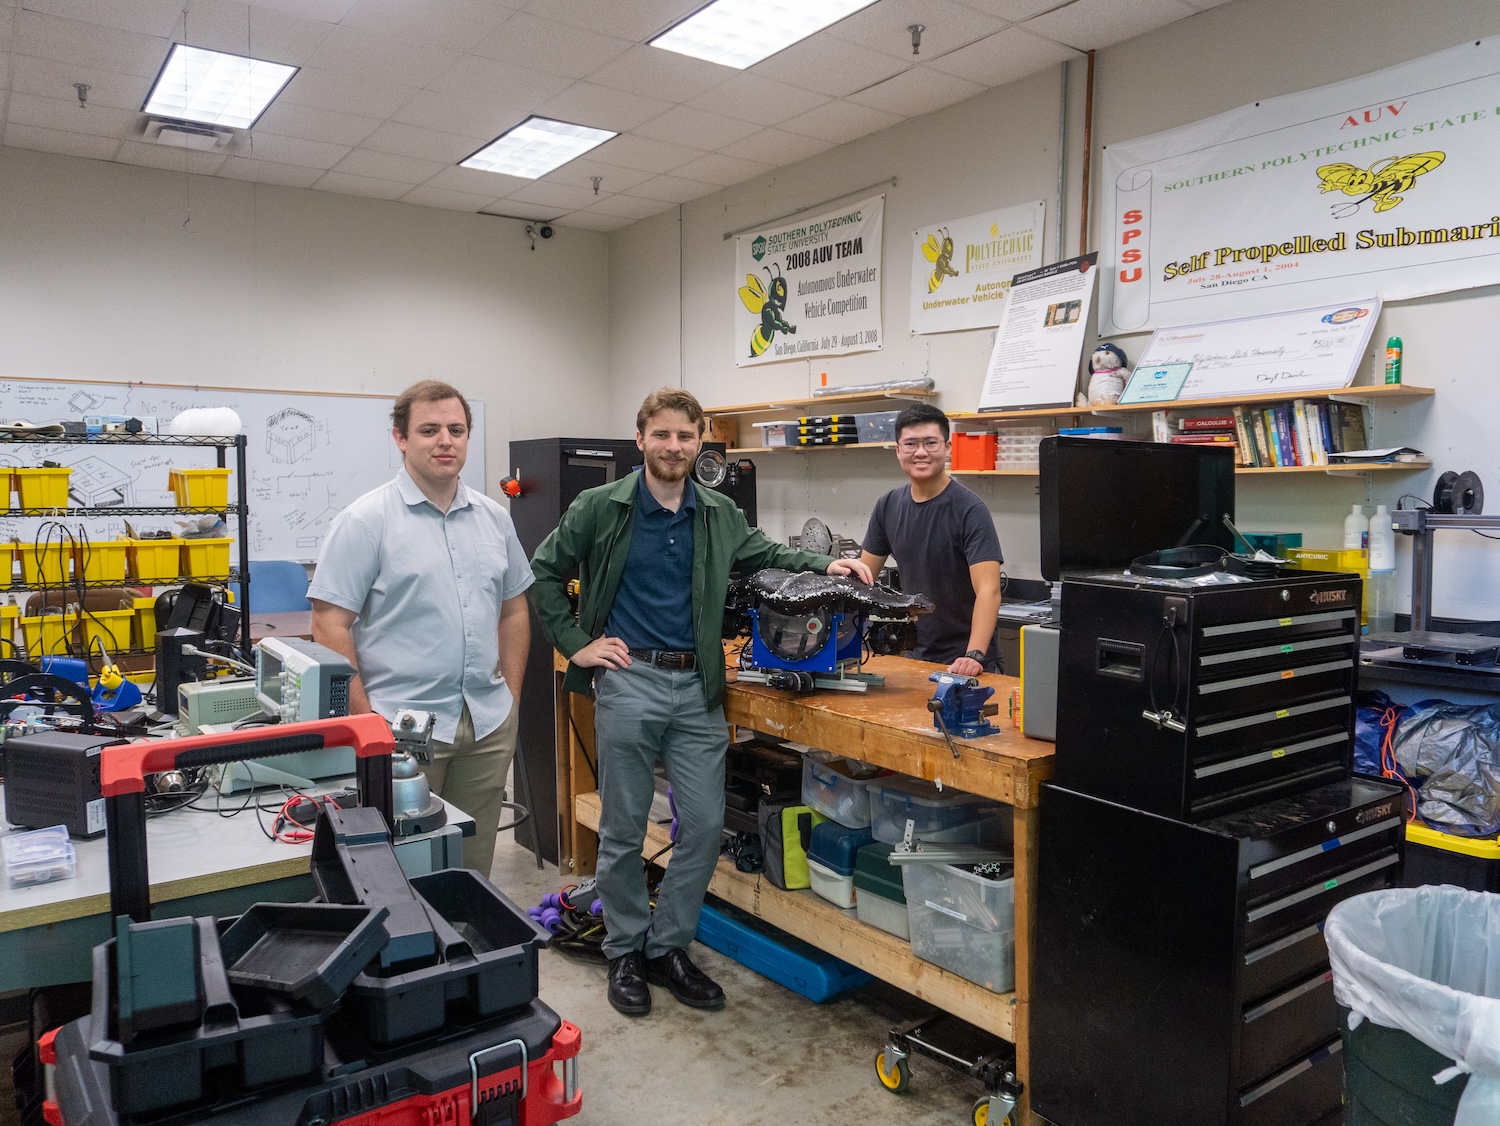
<point>1323,597</point>
<point>1365,816</point>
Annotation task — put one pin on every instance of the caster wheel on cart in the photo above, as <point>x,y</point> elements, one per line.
<point>895,1079</point>
<point>981,1115</point>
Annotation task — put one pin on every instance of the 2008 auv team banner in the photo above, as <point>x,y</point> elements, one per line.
<point>1384,183</point>
<point>810,287</point>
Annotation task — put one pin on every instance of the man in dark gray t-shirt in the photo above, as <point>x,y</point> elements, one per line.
<point>944,542</point>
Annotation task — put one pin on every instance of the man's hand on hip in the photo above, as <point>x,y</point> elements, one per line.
<point>603,652</point>
<point>853,567</point>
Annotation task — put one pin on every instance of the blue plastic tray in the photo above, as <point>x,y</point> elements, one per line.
<point>775,954</point>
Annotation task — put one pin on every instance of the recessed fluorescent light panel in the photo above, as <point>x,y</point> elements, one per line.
<point>215,88</point>
<point>739,33</point>
<point>535,147</point>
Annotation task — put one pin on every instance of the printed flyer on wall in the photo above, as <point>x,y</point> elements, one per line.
<point>809,287</point>
<point>1040,339</point>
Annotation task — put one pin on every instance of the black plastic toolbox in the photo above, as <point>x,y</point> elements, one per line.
<point>307,952</point>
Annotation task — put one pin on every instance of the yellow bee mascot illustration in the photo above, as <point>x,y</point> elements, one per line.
<point>770,304</point>
<point>941,256</point>
<point>1380,182</point>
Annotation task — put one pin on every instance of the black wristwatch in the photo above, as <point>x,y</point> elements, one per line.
<point>975,655</point>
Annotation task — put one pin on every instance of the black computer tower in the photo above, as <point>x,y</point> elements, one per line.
<point>1179,972</point>
<point>552,472</point>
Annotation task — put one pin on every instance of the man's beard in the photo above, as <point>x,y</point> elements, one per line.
<point>664,470</point>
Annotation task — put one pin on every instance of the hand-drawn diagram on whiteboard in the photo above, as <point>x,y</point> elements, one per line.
<point>307,457</point>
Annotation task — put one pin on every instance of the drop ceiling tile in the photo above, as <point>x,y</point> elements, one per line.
<point>1004,57</point>
<point>1092,24</point>
<point>653,72</point>
<point>328,11</point>
<point>291,150</point>
<point>351,51</point>
<point>558,48</point>
<point>629,206</point>
<point>559,197</point>
<point>425,144</point>
<point>830,66</point>
<point>388,166</point>
<point>453,201</point>
<point>637,20</point>
<point>48,79</point>
<point>345,184</point>
<point>644,154</point>
<point>673,189</point>
<point>917,91</point>
<point>885,27</point>
<point>583,103</point>
<point>708,130</point>
<point>515,209</point>
<point>309,124</point>
<point>449,113</point>
<point>144,17</point>
<point>840,122</point>
<point>455,24</point>
<point>777,145</point>
<point>716,168</point>
<point>473,181</point>
<point>502,84</point>
<point>88,45</point>
<point>54,140</point>
<point>58,113</point>
<point>268,172</point>
<point>239,29</point>
<point>171,159</point>
<point>761,100</point>
<point>594,221</point>
<point>1204,5</point>
<point>1014,10</point>
<point>613,177</point>
<point>342,93</point>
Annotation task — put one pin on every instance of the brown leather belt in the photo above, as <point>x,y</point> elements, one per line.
<point>666,658</point>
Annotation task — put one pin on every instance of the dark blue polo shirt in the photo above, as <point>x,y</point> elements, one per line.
<point>654,606</point>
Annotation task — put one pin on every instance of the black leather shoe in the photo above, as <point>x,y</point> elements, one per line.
<point>688,983</point>
<point>628,991</point>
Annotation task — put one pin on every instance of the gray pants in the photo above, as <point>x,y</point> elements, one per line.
<point>642,713</point>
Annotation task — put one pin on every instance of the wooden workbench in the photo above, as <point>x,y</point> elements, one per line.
<point>887,727</point>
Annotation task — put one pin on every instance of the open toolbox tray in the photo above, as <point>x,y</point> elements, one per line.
<point>308,952</point>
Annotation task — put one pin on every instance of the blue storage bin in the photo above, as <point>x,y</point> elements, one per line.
<point>775,954</point>
<point>836,846</point>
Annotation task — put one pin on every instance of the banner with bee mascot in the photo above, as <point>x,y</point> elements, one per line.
<point>810,286</point>
<point>1381,184</point>
<point>961,269</point>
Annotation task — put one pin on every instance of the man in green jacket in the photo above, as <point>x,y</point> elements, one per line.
<point>653,553</point>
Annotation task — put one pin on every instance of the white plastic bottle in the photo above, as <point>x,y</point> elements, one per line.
<point>1382,541</point>
<point>1356,528</point>
<point>1380,601</point>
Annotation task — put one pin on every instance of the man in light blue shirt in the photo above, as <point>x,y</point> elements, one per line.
<point>421,586</point>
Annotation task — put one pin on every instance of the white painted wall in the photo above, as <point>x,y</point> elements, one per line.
<point>1000,149</point>
<point>114,272</point>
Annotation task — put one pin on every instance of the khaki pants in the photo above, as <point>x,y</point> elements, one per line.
<point>471,775</point>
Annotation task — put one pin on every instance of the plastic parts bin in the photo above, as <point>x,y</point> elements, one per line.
<point>830,861</point>
<point>43,487</point>
<point>200,488</point>
<point>974,451</point>
<point>831,788</point>
<point>1424,963</point>
<point>963,922</point>
<point>155,561</point>
<point>308,952</point>
<point>206,558</point>
<point>1434,857</point>
<point>44,563</point>
<point>879,894</point>
<point>102,561</point>
<point>877,426</point>
<point>775,954</point>
<point>110,626</point>
<point>48,634</point>
<point>938,816</point>
<point>7,564</point>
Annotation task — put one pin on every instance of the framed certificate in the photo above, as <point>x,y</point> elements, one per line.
<point>1155,383</point>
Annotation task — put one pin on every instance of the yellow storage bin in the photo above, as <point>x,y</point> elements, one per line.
<point>110,626</point>
<point>7,564</point>
<point>102,561</point>
<point>200,488</point>
<point>8,617</point>
<point>207,558</point>
<point>48,635</point>
<point>145,623</point>
<point>155,561</point>
<point>1348,560</point>
<point>43,488</point>
<point>46,563</point>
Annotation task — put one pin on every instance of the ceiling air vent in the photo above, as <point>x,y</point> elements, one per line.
<point>188,135</point>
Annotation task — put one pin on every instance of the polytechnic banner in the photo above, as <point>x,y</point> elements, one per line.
<point>961,269</point>
<point>1384,184</point>
<point>810,287</point>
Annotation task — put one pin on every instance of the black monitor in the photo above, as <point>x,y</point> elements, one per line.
<point>1104,503</point>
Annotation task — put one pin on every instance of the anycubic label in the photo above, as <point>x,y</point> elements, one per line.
<point>810,287</point>
<point>1384,184</point>
<point>961,268</point>
<point>93,815</point>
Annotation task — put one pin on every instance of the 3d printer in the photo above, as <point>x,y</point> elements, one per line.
<point>810,631</point>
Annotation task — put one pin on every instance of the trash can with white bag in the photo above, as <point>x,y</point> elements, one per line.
<point>1418,971</point>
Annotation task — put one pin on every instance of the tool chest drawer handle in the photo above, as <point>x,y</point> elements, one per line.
<point>1327,846</point>
<point>1320,889</point>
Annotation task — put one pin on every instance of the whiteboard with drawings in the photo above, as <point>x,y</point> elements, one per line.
<point>307,457</point>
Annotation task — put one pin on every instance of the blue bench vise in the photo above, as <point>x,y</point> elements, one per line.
<point>959,707</point>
